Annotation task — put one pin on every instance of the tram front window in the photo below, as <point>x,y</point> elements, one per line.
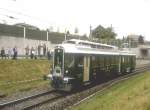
<point>58,59</point>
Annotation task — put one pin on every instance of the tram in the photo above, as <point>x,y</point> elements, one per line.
<point>77,63</point>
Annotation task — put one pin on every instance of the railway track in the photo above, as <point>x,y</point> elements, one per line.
<point>32,101</point>
<point>54,100</point>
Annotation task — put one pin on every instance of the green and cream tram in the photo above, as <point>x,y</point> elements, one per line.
<point>78,62</point>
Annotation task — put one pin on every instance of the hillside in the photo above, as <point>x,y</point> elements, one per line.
<point>13,73</point>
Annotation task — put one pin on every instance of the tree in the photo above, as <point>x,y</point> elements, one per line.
<point>58,29</point>
<point>103,33</point>
<point>50,29</point>
<point>85,35</point>
<point>68,33</point>
<point>76,30</point>
<point>141,39</point>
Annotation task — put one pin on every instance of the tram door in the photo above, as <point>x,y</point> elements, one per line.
<point>86,72</point>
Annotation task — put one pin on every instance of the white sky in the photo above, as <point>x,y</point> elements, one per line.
<point>126,16</point>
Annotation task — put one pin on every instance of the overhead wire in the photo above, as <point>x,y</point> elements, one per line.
<point>25,15</point>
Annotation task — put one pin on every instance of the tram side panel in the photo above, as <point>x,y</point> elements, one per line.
<point>103,66</point>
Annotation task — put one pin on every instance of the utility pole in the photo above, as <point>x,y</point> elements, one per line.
<point>47,35</point>
<point>24,37</point>
<point>24,32</point>
<point>65,34</point>
<point>90,36</point>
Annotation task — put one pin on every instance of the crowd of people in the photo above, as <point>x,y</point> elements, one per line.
<point>9,53</point>
<point>39,51</point>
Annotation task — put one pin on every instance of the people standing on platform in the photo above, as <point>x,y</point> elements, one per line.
<point>44,49</point>
<point>3,53</point>
<point>49,54</point>
<point>32,53</point>
<point>27,51</point>
<point>36,52</point>
<point>9,53</point>
<point>6,53</point>
<point>39,50</point>
<point>15,53</point>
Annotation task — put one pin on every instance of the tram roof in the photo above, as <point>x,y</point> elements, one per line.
<point>87,43</point>
<point>77,49</point>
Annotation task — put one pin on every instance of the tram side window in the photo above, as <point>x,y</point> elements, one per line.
<point>123,59</point>
<point>93,61</point>
<point>112,59</point>
<point>102,60</point>
<point>127,60</point>
<point>69,60</point>
<point>106,60</point>
<point>99,61</point>
<point>115,60</point>
<point>130,59</point>
<point>80,61</point>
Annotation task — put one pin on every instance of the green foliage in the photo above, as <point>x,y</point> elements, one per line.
<point>141,39</point>
<point>103,33</point>
<point>76,30</point>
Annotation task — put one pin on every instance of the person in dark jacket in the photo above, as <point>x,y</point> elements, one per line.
<point>15,53</point>
<point>3,53</point>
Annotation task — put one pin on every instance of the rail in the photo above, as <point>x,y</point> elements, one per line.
<point>55,100</point>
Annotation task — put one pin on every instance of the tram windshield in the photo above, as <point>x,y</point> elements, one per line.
<point>58,58</point>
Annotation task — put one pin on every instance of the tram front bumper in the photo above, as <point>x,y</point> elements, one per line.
<point>62,84</point>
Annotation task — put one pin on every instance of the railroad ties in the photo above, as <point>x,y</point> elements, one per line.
<point>57,100</point>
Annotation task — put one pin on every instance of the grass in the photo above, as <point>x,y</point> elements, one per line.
<point>132,94</point>
<point>20,70</point>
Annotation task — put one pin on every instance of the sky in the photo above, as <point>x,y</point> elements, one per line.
<point>125,16</point>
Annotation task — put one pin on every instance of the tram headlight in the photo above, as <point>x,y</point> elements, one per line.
<point>66,80</point>
<point>50,76</point>
<point>66,71</point>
